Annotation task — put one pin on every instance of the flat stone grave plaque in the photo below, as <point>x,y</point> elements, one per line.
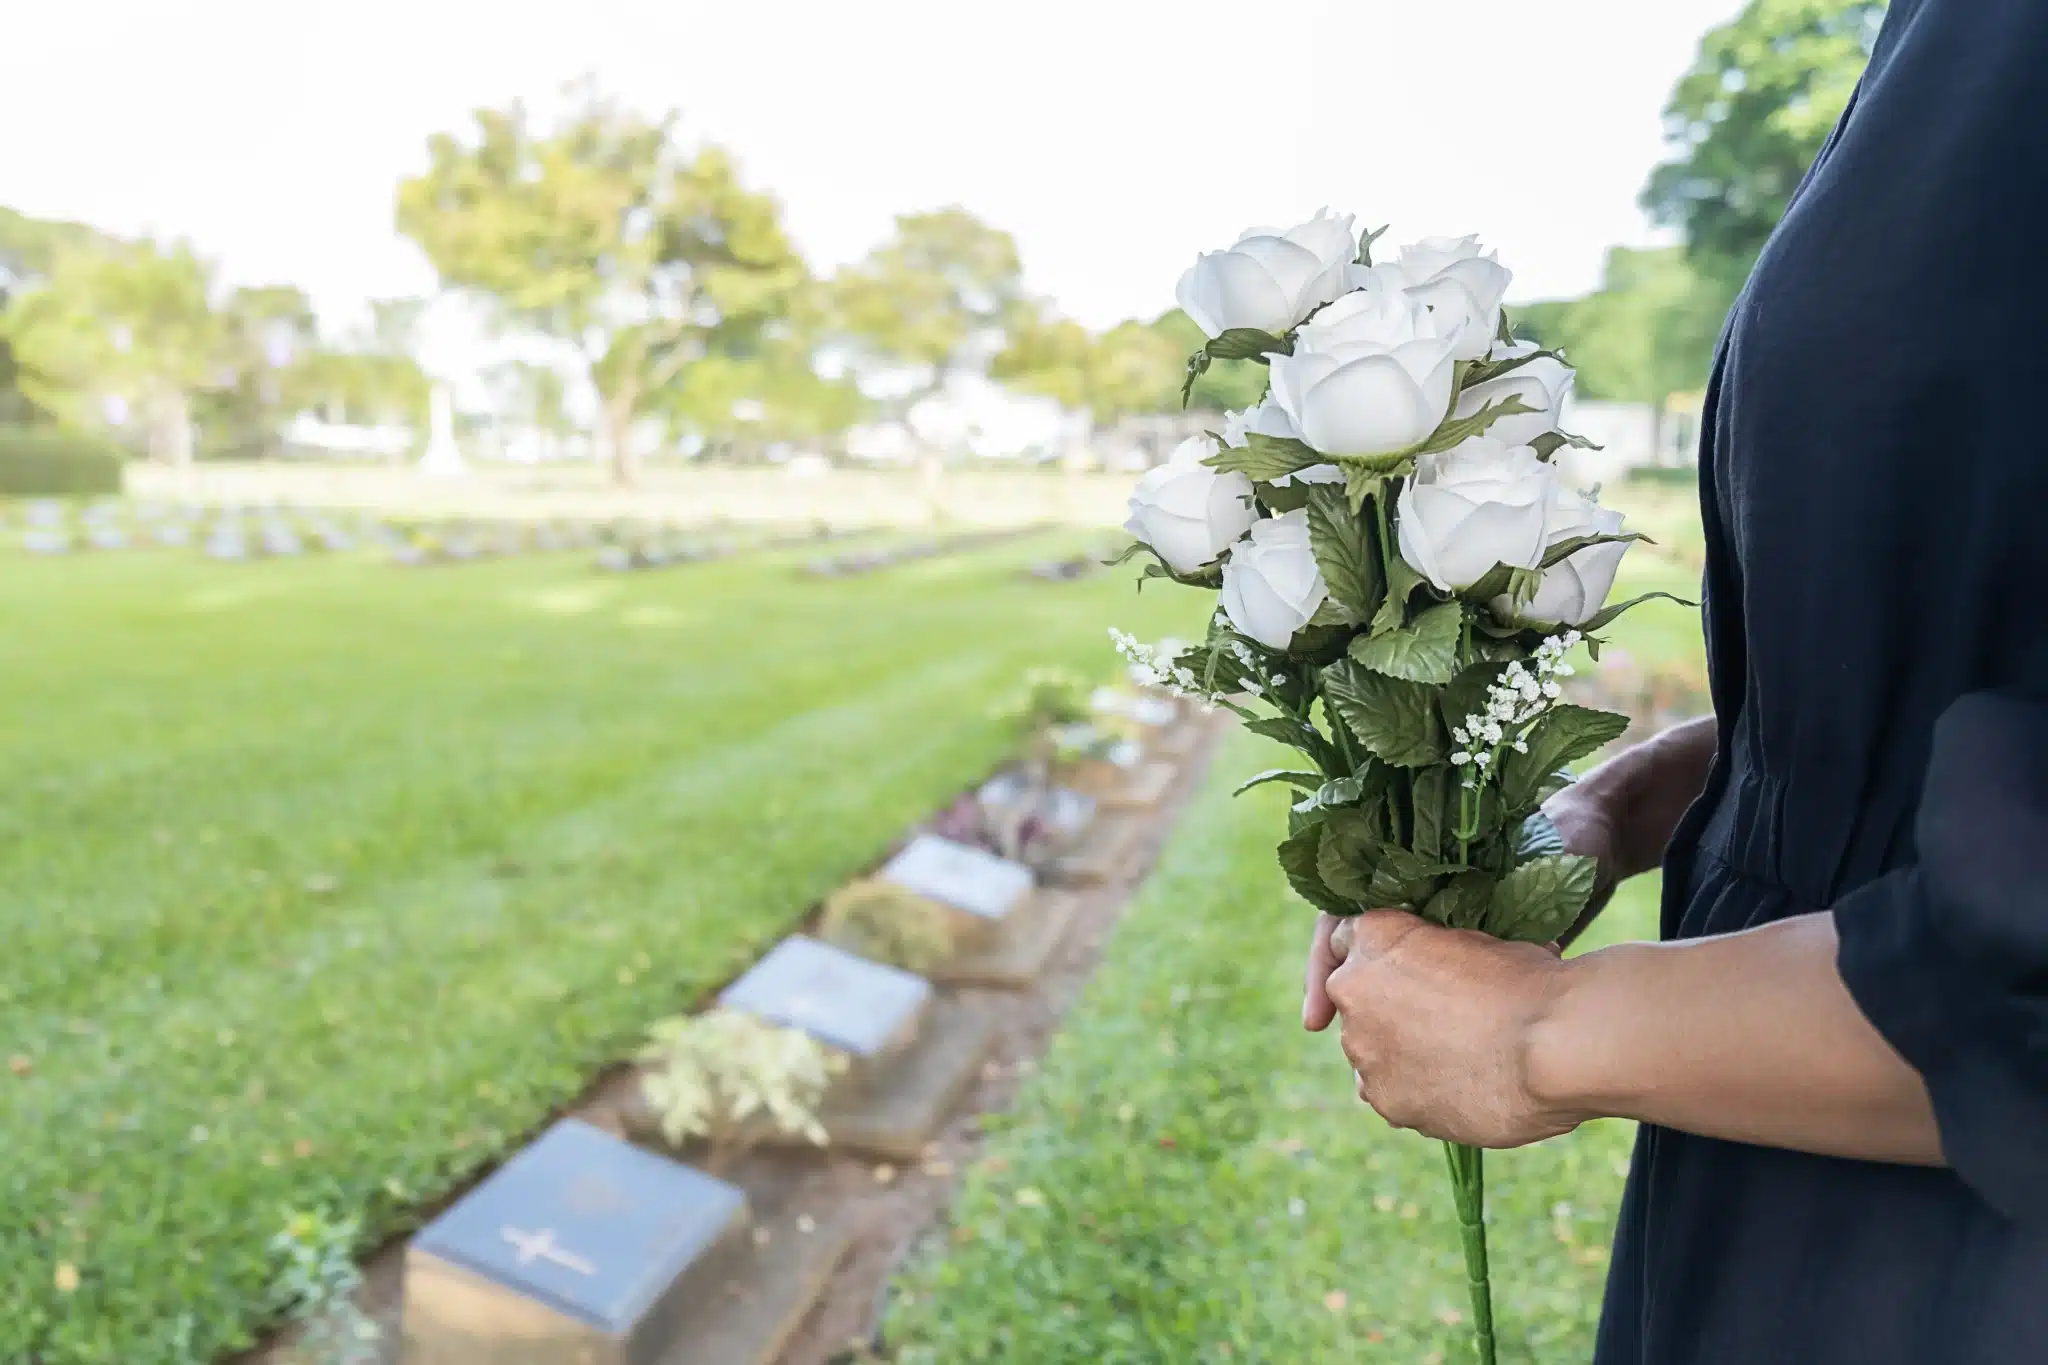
<point>582,1248</point>
<point>983,888</point>
<point>104,537</point>
<point>43,513</point>
<point>612,559</point>
<point>863,1008</point>
<point>227,547</point>
<point>173,534</point>
<point>46,542</point>
<point>278,540</point>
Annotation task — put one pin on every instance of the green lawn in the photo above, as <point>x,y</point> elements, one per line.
<point>323,882</point>
<point>1190,1178</point>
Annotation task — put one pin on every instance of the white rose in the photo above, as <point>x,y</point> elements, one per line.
<point>1268,418</point>
<point>1361,399</point>
<point>1187,512</point>
<point>1541,384</point>
<point>1271,585</point>
<point>1476,505</point>
<point>1270,279</point>
<point>1461,286</point>
<point>1574,589</point>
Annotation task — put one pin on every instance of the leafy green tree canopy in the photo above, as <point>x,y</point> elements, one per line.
<point>1750,116</point>
<point>605,234</point>
<point>933,299</point>
<point>128,321</point>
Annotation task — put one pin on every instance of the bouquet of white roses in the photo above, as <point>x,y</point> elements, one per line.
<point>1402,574</point>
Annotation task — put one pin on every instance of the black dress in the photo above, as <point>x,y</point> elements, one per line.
<point>1874,481</point>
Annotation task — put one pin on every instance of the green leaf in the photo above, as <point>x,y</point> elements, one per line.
<point>1433,810</point>
<point>1466,694</point>
<point>1425,650</point>
<point>1463,903</point>
<point>1559,736</point>
<point>1343,549</point>
<point>1539,838</point>
<point>1246,343</point>
<point>1394,719</point>
<point>1198,365</point>
<point>1279,498</point>
<point>1402,878</point>
<point>1541,899</point>
<point>1365,241</point>
<point>1298,858</point>
<point>1605,616</point>
<point>1125,555</point>
<point>1208,576</point>
<point>1485,371</point>
<point>1550,442</point>
<point>1347,855</point>
<point>1295,734</point>
<point>1295,777</point>
<point>1454,430</point>
<point>1506,335</point>
<point>1402,581</point>
<point>1565,549</point>
<point>1263,458</point>
<point>1332,613</point>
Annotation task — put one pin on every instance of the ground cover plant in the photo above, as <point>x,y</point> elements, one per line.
<point>321,885</point>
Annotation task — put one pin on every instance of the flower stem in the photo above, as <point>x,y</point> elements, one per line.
<point>1468,1189</point>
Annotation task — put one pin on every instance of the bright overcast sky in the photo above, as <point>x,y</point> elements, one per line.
<point>1115,138</point>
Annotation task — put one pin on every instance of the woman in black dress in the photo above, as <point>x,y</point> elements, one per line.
<point>1839,1054</point>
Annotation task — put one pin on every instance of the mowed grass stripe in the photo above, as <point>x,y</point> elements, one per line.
<point>555,805</point>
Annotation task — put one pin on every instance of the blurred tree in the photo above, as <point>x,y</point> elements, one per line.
<point>762,384</point>
<point>28,250</point>
<point>1131,368</point>
<point>605,235</point>
<point>931,301</point>
<point>1645,336</point>
<point>267,335</point>
<point>1228,386</point>
<point>120,328</point>
<point>1748,119</point>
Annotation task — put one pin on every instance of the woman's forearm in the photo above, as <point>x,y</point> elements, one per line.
<point>1750,1037</point>
<point>1647,788</point>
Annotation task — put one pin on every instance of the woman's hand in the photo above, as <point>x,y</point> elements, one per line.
<point>1437,1024</point>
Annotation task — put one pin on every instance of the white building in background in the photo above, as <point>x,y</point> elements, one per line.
<point>1631,436</point>
<point>308,433</point>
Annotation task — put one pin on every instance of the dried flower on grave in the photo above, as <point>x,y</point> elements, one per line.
<point>722,1075</point>
<point>888,923</point>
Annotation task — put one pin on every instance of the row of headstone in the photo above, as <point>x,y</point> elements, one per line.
<point>586,1248</point>
<point>52,527</point>
<point>858,562</point>
<point>669,550</point>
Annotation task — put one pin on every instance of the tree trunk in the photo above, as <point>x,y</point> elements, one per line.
<point>618,434</point>
<point>170,428</point>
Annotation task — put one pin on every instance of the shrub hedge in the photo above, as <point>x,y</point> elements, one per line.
<point>42,462</point>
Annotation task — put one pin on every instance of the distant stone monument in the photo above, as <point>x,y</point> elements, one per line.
<point>443,459</point>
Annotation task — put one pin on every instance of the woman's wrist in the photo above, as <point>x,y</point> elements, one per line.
<point>1573,1055</point>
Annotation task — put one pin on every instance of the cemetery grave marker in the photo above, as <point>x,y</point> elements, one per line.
<point>583,1248</point>
<point>980,887</point>
<point>913,1053</point>
<point>865,1009</point>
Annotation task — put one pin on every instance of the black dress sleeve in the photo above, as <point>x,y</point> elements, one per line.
<point>1948,956</point>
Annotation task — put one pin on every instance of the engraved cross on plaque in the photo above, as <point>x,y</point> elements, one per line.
<point>540,1246</point>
